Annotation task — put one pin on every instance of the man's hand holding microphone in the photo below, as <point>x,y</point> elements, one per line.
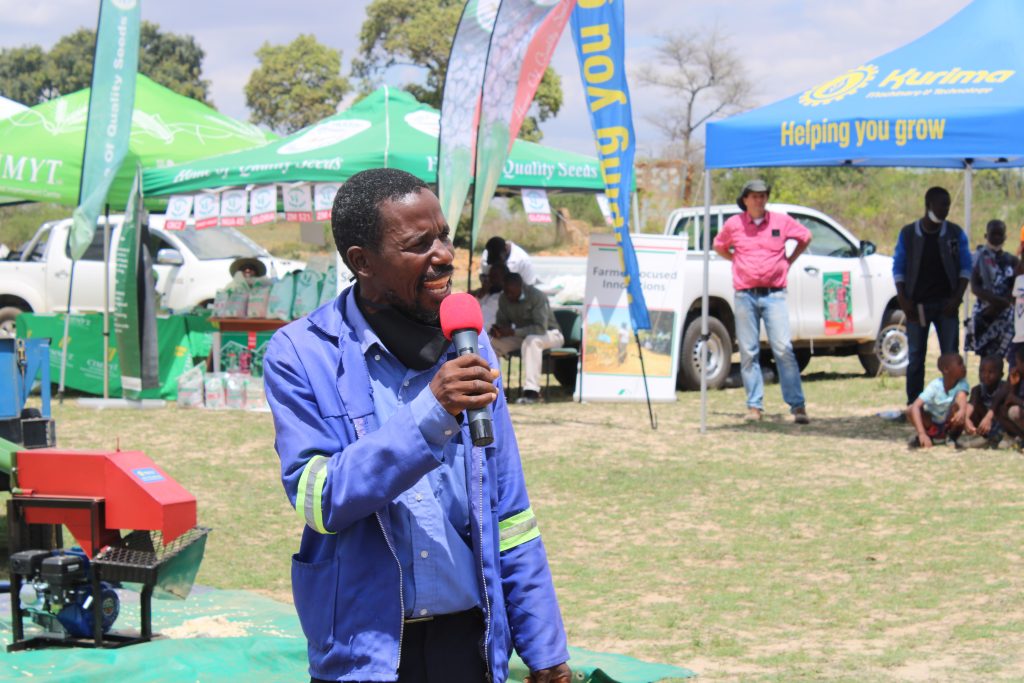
<point>466,383</point>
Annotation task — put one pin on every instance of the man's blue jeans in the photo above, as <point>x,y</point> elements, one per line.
<point>948,329</point>
<point>751,309</point>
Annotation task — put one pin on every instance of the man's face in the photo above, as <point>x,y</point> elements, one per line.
<point>513,290</point>
<point>989,373</point>
<point>996,235</point>
<point>412,271</point>
<point>496,279</point>
<point>755,202</point>
<point>955,371</point>
<point>939,205</point>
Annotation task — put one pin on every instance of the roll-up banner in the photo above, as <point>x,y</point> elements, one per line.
<point>134,302</point>
<point>611,360</point>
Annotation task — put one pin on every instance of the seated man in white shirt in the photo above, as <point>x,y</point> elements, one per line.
<point>515,258</point>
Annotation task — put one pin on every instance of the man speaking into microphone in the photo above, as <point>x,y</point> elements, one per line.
<point>420,558</point>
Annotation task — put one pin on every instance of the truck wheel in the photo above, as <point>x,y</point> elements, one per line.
<point>891,352</point>
<point>719,355</point>
<point>8,315</point>
<point>803,358</point>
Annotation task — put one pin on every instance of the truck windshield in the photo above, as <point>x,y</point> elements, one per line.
<point>218,243</point>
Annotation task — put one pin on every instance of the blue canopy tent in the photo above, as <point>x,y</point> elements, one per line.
<point>953,98</point>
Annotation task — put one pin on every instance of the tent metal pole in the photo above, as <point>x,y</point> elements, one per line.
<point>106,304</point>
<point>968,201</point>
<point>636,213</point>
<point>704,307</point>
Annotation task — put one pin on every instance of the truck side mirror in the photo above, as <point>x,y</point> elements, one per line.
<point>867,248</point>
<point>169,257</point>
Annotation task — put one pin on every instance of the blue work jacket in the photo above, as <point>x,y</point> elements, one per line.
<point>344,470</point>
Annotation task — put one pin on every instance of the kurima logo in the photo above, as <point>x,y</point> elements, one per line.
<point>840,87</point>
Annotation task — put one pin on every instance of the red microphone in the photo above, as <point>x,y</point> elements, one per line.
<point>461,322</point>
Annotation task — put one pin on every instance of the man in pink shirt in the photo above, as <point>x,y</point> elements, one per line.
<point>755,242</point>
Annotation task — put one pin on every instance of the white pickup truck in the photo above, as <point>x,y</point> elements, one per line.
<point>878,337</point>
<point>191,265</point>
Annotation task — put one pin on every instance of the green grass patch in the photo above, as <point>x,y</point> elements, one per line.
<point>754,552</point>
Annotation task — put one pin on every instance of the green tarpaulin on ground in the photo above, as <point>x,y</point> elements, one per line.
<point>41,147</point>
<point>386,128</point>
<point>240,636</point>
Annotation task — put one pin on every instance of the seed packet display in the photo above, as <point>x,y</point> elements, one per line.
<point>259,298</point>
<point>216,398</point>
<point>307,293</point>
<point>234,390</point>
<point>190,388</point>
<point>329,288</point>
<point>220,303</point>
<point>255,398</point>
<point>282,294</point>
<point>238,302</point>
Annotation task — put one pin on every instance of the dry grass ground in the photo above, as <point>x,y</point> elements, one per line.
<point>753,552</point>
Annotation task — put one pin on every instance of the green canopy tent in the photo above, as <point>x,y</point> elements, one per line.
<point>388,128</point>
<point>41,147</point>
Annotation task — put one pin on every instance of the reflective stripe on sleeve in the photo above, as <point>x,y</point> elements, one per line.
<point>309,496</point>
<point>518,529</point>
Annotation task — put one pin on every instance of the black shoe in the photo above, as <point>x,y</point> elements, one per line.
<point>529,396</point>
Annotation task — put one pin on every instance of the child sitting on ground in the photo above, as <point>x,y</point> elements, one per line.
<point>1011,405</point>
<point>982,422</point>
<point>939,412</point>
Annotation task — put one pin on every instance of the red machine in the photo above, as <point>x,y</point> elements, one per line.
<point>137,494</point>
<point>97,495</point>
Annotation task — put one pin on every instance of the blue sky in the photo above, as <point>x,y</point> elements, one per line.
<point>786,45</point>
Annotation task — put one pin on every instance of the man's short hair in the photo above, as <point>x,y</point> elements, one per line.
<point>995,224</point>
<point>992,359</point>
<point>948,359</point>
<point>933,193</point>
<point>513,279</point>
<point>495,249</point>
<point>355,218</point>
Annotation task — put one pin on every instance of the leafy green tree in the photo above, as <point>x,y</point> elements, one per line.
<point>30,75</point>
<point>69,62</point>
<point>174,61</point>
<point>295,85</point>
<point>419,33</point>
<point>23,74</point>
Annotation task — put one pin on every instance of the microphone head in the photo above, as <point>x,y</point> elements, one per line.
<point>460,312</point>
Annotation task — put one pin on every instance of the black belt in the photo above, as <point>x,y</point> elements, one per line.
<point>762,291</point>
<point>471,614</point>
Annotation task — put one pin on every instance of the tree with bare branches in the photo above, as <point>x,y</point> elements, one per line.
<point>703,79</point>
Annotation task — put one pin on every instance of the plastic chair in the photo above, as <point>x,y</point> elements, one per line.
<point>570,322</point>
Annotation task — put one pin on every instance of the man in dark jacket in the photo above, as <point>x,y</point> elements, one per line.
<point>931,266</point>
